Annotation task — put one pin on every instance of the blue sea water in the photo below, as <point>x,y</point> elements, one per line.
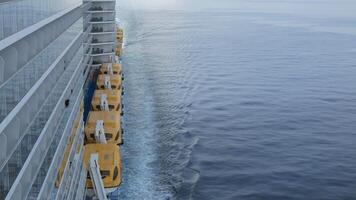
<point>228,104</point>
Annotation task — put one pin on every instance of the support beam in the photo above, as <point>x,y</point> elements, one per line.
<point>95,175</point>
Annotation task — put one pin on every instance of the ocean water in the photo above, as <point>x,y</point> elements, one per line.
<point>228,104</point>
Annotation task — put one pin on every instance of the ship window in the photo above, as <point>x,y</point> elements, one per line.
<point>108,135</point>
<point>116,173</point>
<point>117,136</point>
<point>104,173</point>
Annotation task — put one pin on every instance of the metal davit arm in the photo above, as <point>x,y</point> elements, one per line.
<point>104,106</point>
<point>107,82</point>
<point>95,175</point>
<point>99,132</point>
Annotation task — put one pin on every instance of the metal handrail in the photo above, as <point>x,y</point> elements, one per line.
<point>13,118</point>
<point>21,186</point>
<point>57,158</point>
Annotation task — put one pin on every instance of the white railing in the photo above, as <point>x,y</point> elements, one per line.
<point>81,183</point>
<point>19,35</point>
<point>17,15</point>
<point>77,170</point>
<point>48,183</point>
<point>13,127</point>
<point>28,173</point>
<point>69,169</point>
<point>33,58</point>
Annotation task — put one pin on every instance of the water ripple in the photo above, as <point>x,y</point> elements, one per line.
<point>221,106</point>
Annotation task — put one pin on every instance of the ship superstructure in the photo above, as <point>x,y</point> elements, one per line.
<point>50,52</point>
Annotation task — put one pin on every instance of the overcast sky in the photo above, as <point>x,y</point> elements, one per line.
<point>335,8</point>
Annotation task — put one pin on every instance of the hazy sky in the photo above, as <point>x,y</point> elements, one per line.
<point>335,8</point>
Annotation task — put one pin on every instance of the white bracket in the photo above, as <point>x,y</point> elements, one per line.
<point>109,68</point>
<point>104,106</point>
<point>107,83</point>
<point>100,132</point>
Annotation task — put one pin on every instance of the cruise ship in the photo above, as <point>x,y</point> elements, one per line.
<point>60,99</point>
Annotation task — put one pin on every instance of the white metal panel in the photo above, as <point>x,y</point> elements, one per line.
<point>28,173</point>
<point>53,168</point>
<point>27,31</point>
<point>11,127</point>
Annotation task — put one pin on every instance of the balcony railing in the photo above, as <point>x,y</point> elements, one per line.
<point>97,30</point>
<point>96,8</point>
<point>99,51</point>
<point>99,9</point>
<point>17,15</point>
<point>43,126</point>
<point>12,91</point>
<point>96,19</point>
